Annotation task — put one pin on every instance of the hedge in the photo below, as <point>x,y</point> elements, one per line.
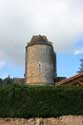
<point>40,101</point>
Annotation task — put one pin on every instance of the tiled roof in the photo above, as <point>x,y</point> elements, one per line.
<point>39,40</point>
<point>71,79</point>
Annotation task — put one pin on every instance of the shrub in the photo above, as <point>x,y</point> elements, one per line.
<point>40,101</point>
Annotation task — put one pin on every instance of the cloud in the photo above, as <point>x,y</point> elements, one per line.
<point>3,76</point>
<point>2,60</point>
<point>78,51</point>
<point>60,20</point>
<point>2,64</point>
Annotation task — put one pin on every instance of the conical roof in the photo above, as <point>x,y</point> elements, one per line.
<point>38,39</point>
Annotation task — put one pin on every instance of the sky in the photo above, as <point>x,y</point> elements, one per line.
<point>60,20</point>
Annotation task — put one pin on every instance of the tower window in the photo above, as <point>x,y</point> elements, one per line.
<point>39,67</point>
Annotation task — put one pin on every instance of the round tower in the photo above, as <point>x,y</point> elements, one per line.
<point>39,61</point>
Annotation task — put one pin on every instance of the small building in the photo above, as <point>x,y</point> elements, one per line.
<point>18,80</point>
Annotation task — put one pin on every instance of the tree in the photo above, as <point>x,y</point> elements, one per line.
<point>81,66</point>
<point>1,81</point>
<point>8,80</point>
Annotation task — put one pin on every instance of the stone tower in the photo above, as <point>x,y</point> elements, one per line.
<point>39,61</point>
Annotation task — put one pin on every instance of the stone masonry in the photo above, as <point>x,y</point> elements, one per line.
<point>40,61</point>
<point>64,120</point>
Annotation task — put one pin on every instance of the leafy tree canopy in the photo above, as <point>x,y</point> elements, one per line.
<point>81,66</point>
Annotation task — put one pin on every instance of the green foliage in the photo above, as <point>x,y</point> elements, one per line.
<point>81,66</point>
<point>1,81</point>
<point>40,101</point>
<point>7,80</point>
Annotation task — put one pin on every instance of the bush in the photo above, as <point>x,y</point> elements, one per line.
<point>40,101</point>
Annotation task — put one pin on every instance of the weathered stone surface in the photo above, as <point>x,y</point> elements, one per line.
<point>65,120</point>
<point>40,63</point>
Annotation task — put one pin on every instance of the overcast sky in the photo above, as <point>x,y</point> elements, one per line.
<point>60,20</point>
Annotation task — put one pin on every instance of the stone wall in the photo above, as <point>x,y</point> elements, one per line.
<point>39,64</point>
<point>65,120</point>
